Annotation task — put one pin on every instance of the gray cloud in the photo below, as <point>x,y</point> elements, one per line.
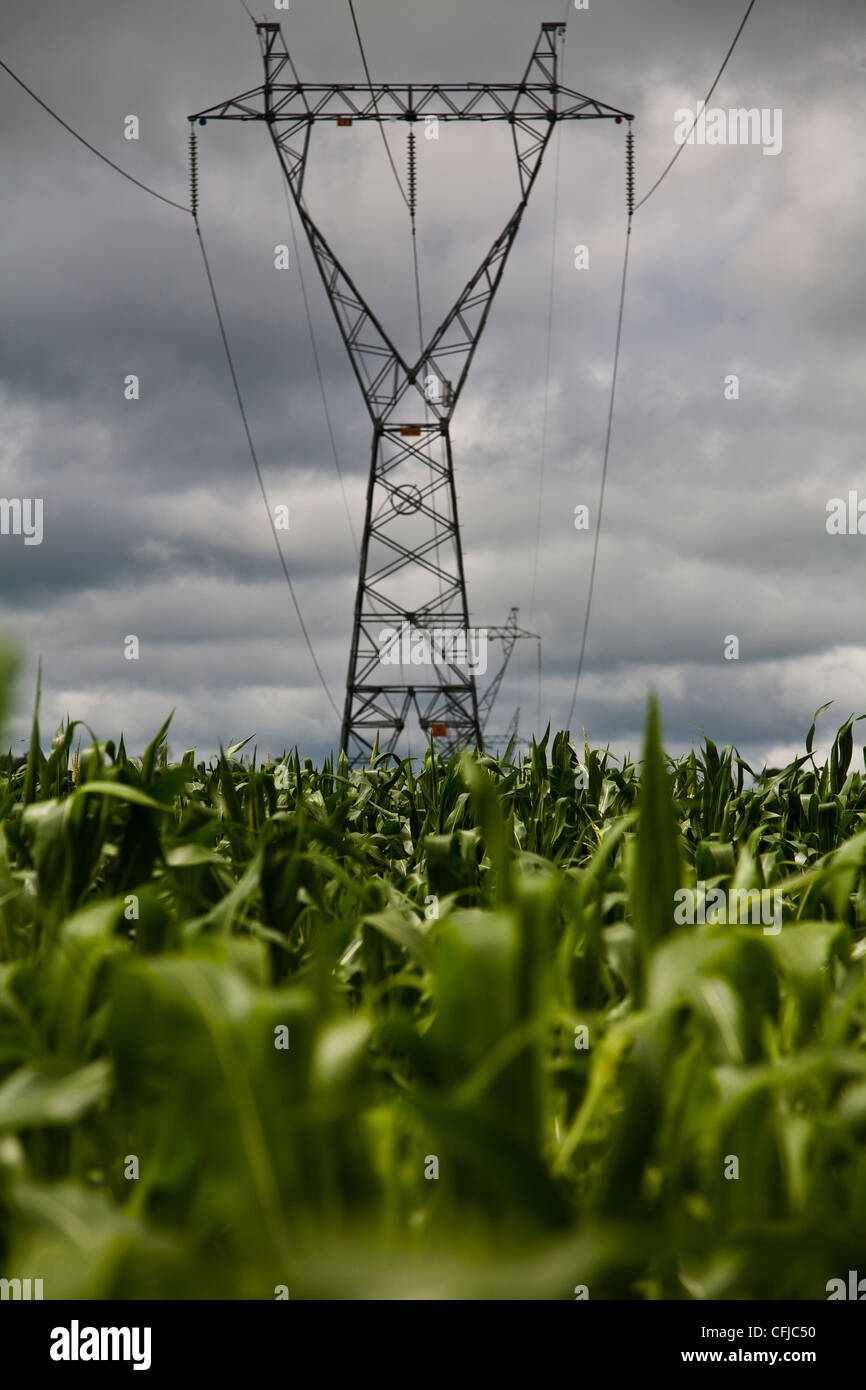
<point>715,510</point>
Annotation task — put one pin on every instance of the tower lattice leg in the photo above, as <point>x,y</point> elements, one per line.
<point>411,603</point>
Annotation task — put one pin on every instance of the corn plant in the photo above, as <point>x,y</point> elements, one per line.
<point>431,1029</point>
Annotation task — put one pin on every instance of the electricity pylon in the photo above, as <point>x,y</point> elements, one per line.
<point>411,565</point>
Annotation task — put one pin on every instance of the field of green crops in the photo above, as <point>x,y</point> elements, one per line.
<point>429,1031</point>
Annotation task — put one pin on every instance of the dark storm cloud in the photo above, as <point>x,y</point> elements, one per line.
<point>715,510</point>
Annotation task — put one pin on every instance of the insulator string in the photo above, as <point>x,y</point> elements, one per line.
<point>412,180</point>
<point>629,171</point>
<point>193,172</point>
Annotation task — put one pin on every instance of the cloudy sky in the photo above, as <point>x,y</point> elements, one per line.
<point>715,513</point>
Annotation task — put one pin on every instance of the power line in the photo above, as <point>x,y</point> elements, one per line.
<point>253,454</point>
<point>375,106</point>
<point>681,147</point>
<point>603,476</point>
<point>413,210</point>
<point>410,202</point>
<point>255,459</point>
<point>313,344</point>
<point>192,212</point>
<point>87,145</point>
<point>319,374</point>
<point>546,374</point>
<point>632,209</point>
<point>547,364</point>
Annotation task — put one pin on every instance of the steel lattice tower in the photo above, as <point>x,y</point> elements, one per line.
<point>411,565</point>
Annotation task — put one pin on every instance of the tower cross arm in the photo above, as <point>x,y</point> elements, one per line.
<point>388,101</point>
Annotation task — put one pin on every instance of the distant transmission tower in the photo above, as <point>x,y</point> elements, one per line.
<point>411,565</point>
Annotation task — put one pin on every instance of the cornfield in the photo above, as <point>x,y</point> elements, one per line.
<point>429,1030</point>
